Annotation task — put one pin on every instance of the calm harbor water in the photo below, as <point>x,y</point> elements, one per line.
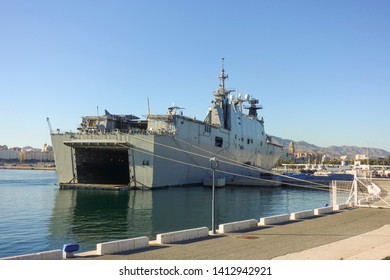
<point>36,216</point>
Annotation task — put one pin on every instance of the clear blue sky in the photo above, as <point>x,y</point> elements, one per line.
<point>321,69</point>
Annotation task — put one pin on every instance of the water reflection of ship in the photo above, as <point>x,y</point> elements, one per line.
<point>89,217</point>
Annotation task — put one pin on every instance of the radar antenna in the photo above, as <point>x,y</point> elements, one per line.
<point>253,107</point>
<point>173,108</point>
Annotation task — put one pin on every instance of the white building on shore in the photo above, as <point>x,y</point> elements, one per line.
<point>26,154</point>
<point>9,155</point>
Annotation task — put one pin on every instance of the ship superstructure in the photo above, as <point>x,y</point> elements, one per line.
<point>168,149</point>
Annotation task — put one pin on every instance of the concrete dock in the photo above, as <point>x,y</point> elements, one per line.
<point>357,233</point>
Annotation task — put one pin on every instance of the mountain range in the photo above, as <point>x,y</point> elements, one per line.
<point>332,151</point>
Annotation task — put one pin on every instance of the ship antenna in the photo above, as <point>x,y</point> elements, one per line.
<point>148,108</point>
<point>222,77</point>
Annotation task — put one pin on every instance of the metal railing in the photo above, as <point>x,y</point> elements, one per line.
<point>363,191</point>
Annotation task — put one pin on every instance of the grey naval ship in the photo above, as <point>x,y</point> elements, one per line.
<point>168,149</point>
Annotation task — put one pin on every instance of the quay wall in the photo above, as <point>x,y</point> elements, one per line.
<point>126,245</point>
<point>47,255</point>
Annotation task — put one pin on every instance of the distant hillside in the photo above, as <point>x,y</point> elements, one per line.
<point>332,151</point>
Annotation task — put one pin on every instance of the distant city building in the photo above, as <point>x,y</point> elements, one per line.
<point>361,157</point>
<point>27,154</point>
<point>37,155</point>
<point>291,148</point>
<point>288,154</point>
<point>46,148</point>
<point>9,155</point>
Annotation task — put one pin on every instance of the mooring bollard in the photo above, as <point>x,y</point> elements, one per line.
<point>69,249</point>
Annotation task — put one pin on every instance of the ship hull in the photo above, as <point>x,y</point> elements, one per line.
<point>155,160</point>
<point>168,150</point>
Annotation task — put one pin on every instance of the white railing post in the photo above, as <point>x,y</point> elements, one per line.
<point>334,193</point>
<point>355,189</point>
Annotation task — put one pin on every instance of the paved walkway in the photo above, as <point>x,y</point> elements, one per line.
<point>362,233</point>
<point>372,245</point>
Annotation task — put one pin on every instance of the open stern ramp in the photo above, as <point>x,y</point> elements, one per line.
<point>101,161</point>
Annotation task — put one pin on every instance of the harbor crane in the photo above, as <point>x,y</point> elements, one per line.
<point>50,128</point>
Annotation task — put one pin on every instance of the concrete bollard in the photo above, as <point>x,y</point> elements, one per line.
<point>323,210</point>
<point>340,207</point>
<point>277,219</point>
<point>182,235</point>
<point>124,245</point>
<point>302,214</point>
<point>237,226</point>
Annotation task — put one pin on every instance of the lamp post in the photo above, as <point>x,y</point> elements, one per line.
<point>214,165</point>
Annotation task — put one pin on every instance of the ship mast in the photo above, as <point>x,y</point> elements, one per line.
<point>221,114</point>
<point>221,92</point>
<point>222,77</point>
